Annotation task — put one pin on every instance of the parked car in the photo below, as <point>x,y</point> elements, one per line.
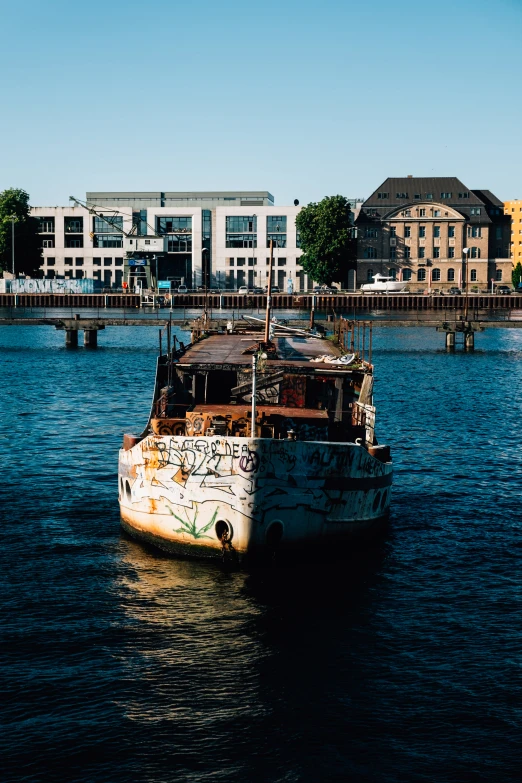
<point>325,289</point>
<point>454,292</point>
<point>258,291</point>
<point>275,289</point>
<point>243,289</point>
<point>503,289</point>
<point>182,289</point>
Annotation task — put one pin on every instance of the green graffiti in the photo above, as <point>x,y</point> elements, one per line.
<point>190,525</point>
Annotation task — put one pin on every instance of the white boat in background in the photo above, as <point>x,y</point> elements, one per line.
<point>382,284</point>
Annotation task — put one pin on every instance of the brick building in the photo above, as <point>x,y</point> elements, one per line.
<point>415,229</point>
<point>513,209</point>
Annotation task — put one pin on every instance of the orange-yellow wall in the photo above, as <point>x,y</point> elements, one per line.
<point>514,210</point>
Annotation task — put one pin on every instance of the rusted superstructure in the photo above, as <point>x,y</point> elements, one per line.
<point>217,472</point>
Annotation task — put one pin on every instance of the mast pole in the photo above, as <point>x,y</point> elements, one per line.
<point>253,423</point>
<point>269,294</point>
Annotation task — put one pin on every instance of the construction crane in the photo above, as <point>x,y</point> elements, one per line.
<point>135,246</point>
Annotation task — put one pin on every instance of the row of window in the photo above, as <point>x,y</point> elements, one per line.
<point>79,261</point>
<point>435,275</point>
<point>253,261</point>
<point>417,196</point>
<point>371,252</point>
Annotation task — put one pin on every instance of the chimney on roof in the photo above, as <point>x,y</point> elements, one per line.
<point>410,176</point>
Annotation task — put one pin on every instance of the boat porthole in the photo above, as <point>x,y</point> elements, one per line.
<point>376,501</point>
<point>128,491</point>
<point>223,527</point>
<point>274,534</point>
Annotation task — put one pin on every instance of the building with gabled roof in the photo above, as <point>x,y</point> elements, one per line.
<point>416,228</point>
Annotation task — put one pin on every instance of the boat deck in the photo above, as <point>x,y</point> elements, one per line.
<point>227,349</point>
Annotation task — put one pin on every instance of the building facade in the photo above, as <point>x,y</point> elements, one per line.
<point>415,229</point>
<point>220,239</point>
<point>513,210</point>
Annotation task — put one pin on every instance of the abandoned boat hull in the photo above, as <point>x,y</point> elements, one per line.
<point>182,493</point>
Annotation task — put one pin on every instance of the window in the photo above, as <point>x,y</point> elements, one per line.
<point>417,196</point>
<point>445,194</point>
<point>108,240</point>
<point>451,275</point>
<point>451,232</point>
<point>252,262</point>
<point>51,262</point>
<point>107,262</point>
<point>369,275</point>
<point>422,231</point>
<point>118,261</point>
<point>421,275</point>
<point>174,225</point>
<point>401,195</point>
<point>475,210</point>
<point>241,240</point>
<point>383,195</point>
<point>276,223</point>
<point>392,272</point>
<point>429,196</point>
<point>435,275</point>
<point>371,212</point>
<point>451,252</point>
<point>96,261</point>
<point>436,252</point>
<point>48,243</point>
<point>50,274</point>
<point>68,261</point>
<point>407,252</point>
<point>147,241</point>
<point>498,275</point>
<point>436,213</point>
<point>68,274</point>
<point>498,232</point>
<point>240,224</point>
<point>498,252</point>
<point>279,240</point>
<point>46,225</point>
<point>370,233</point>
<point>475,252</point>
<point>473,275</point>
<point>474,231</point>
<point>406,274</point>
<point>370,252</point>
<point>436,231</point>
<point>422,252</point>
<point>464,195</point>
<point>78,274</point>
<point>422,213</point>
<point>281,262</point>
<point>393,231</point>
<point>179,243</point>
<point>406,213</point>
<point>393,252</point>
<point>407,231</point>
<point>78,261</point>
<point>73,225</point>
<point>97,274</point>
<point>110,224</point>
<point>73,241</point>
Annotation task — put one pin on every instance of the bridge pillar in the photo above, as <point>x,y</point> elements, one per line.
<point>71,338</point>
<point>469,341</point>
<point>90,338</point>
<point>450,341</point>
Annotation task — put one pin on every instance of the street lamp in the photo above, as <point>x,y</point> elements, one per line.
<point>13,218</point>
<point>465,251</point>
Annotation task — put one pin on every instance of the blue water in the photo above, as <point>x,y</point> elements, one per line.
<point>400,663</point>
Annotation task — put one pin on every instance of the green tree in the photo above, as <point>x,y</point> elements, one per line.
<point>516,275</point>
<point>14,202</point>
<point>326,234</point>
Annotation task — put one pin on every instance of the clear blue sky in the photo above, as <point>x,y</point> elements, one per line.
<point>304,99</point>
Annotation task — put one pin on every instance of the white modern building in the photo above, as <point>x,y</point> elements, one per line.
<point>179,236</point>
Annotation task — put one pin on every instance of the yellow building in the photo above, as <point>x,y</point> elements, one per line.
<point>514,210</point>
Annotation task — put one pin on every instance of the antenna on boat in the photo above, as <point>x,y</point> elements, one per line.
<point>269,294</point>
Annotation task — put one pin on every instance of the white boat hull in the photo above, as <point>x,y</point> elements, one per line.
<point>176,492</point>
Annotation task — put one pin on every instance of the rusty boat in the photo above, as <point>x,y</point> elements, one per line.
<point>257,445</point>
